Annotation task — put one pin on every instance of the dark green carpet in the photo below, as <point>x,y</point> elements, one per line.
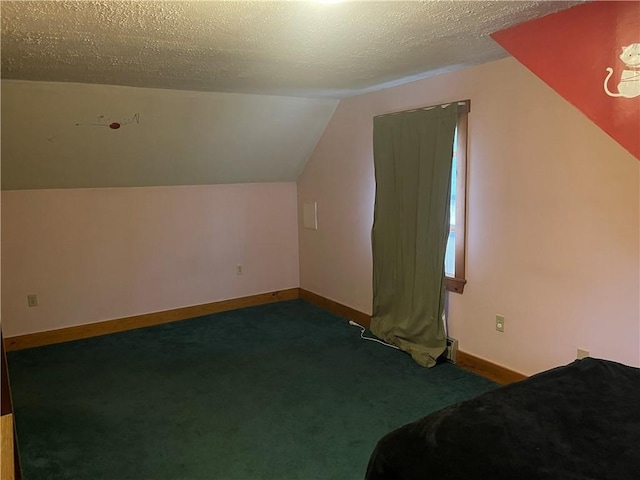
<point>280,391</point>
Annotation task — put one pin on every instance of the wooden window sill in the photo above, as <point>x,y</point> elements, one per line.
<point>455,285</point>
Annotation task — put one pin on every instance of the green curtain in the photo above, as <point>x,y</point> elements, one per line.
<point>412,157</point>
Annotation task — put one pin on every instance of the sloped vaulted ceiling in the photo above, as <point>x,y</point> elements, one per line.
<point>604,83</point>
<point>259,81</point>
<point>66,135</point>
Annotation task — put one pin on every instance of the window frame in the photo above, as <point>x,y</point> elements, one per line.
<point>458,281</point>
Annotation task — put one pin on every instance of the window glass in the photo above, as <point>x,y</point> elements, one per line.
<point>450,256</point>
<point>454,264</point>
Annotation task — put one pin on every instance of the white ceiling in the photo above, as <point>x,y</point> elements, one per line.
<point>295,48</point>
<point>67,67</point>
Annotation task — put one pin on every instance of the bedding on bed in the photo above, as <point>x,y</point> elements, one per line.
<point>577,422</point>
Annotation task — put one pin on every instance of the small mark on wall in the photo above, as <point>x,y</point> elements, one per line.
<point>103,121</point>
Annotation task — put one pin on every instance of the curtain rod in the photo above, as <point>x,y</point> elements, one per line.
<point>464,106</point>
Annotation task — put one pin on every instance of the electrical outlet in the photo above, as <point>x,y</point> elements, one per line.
<point>239,269</point>
<point>451,351</point>
<point>582,354</point>
<point>500,323</point>
<point>32,300</point>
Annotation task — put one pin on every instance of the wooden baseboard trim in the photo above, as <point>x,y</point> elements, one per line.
<point>487,369</point>
<point>467,361</point>
<point>146,320</point>
<point>336,308</point>
<point>7,452</point>
<point>464,360</point>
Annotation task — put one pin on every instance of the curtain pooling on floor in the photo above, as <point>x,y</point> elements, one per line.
<point>412,158</point>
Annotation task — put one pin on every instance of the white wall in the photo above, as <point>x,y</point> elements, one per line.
<point>553,219</point>
<point>138,244</point>
<point>98,254</point>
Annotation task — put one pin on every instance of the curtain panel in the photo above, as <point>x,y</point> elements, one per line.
<point>412,157</point>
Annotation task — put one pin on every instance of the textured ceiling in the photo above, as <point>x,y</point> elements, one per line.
<point>283,48</point>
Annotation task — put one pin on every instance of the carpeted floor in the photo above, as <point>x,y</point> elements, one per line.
<point>280,391</point>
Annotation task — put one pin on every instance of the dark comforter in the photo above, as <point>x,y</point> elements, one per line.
<point>580,421</point>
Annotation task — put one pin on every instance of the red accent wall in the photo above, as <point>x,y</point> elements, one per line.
<point>570,51</point>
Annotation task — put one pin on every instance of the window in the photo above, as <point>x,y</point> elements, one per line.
<point>454,262</point>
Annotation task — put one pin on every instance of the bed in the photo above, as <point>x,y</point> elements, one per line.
<point>576,422</point>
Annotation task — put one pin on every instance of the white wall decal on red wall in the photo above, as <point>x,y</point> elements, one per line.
<point>629,85</point>
<point>570,51</point>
